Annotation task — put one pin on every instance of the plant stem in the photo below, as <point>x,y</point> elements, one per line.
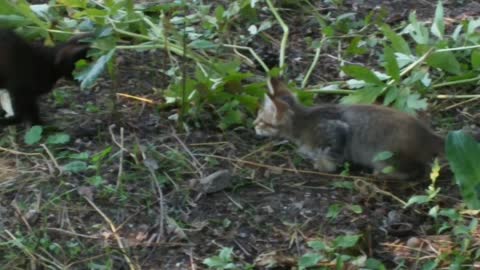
<point>455,96</point>
<point>314,63</point>
<point>458,48</point>
<point>255,55</point>
<point>438,85</point>
<point>283,44</point>
<point>329,91</point>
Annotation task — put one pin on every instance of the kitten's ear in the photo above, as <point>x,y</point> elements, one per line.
<point>274,106</point>
<point>66,57</point>
<point>279,88</point>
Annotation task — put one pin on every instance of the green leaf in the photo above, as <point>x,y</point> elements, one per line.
<point>445,61</point>
<point>398,43</point>
<point>414,102</point>
<point>430,265</point>
<point>362,73</point>
<point>96,180</point>
<point>438,25</point>
<point>355,208</point>
<point>380,156</point>
<point>10,21</point>
<point>391,64</point>
<point>309,260</point>
<point>226,254</point>
<point>388,170</point>
<point>475,58</point>
<point>390,96</point>
<point>33,135</point>
<point>318,245</point>
<point>463,154</point>
<point>364,96</point>
<point>81,156</point>
<point>417,30</point>
<point>418,199</point>
<point>374,264</point>
<point>23,9</point>
<point>75,166</point>
<point>334,210</point>
<point>101,155</point>
<point>214,262</point>
<point>59,138</point>
<point>202,44</point>
<point>346,241</point>
<point>89,75</point>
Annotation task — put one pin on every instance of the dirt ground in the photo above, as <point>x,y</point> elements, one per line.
<point>268,212</point>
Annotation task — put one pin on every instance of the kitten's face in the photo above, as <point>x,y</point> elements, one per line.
<point>272,117</point>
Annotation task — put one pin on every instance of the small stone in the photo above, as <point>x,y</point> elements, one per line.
<point>413,242</point>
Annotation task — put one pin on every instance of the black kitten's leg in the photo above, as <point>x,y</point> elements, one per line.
<point>32,113</point>
<point>25,109</point>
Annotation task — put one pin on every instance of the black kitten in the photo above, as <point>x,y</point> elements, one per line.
<point>28,71</point>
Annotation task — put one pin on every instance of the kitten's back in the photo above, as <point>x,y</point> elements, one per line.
<point>376,128</point>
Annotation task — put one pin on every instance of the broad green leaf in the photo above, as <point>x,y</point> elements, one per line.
<point>398,43</point>
<point>391,64</point>
<point>380,156</point>
<point>417,30</point>
<point>445,61</point>
<point>419,199</point>
<point>364,96</point>
<point>346,241</point>
<point>438,25</point>
<point>414,102</point>
<point>75,166</point>
<point>89,75</point>
<point>463,154</point>
<point>59,138</point>
<point>33,135</point>
<point>374,264</point>
<point>226,254</point>
<point>475,58</point>
<point>318,245</point>
<point>472,26</point>
<point>362,73</point>
<point>22,8</point>
<point>334,210</point>
<point>214,262</point>
<point>309,260</point>
<point>10,21</point>
<point>390,96</point>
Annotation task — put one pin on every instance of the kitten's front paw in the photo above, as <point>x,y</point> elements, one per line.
<point>324,164</point>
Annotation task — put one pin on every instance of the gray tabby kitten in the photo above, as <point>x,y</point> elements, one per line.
<point>330,135</point>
